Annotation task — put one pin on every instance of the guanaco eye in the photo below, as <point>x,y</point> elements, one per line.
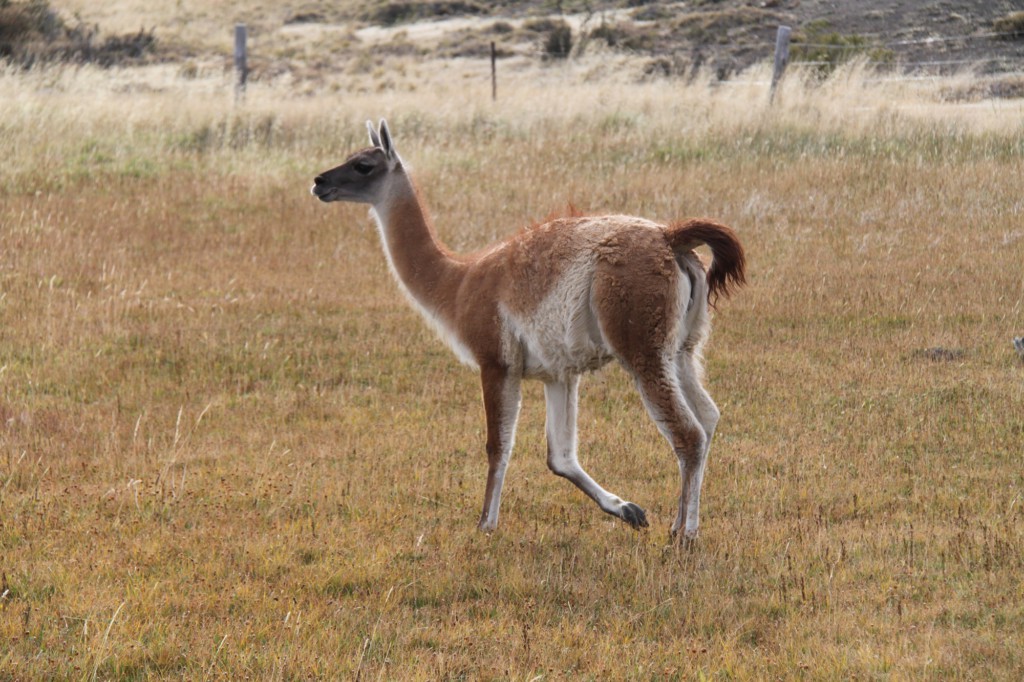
<point>363,168</point>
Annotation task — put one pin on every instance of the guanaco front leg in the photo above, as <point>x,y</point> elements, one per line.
<point>501,405</point>
<point>561,398</point>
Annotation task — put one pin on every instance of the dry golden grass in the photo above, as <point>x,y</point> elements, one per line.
<point>229,450</point>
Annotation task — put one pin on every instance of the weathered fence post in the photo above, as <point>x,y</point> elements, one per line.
<point>241,69</point>
<point>494,73</point>
<point>781,58</point>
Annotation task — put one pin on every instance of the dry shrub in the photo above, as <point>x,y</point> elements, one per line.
<point>558,43</point>
<point>715,26</point>
<point>32,32</point>
<point>817,42</point>
<point>391,13</point>
<point>24,25</point>
<point>1011,25</point>
<point>623,35</point>
<point>1006,87</point>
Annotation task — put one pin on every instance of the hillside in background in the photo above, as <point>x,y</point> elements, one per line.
<point>303,40</point>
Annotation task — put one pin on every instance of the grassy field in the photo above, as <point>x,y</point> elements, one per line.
<point>229,450</point>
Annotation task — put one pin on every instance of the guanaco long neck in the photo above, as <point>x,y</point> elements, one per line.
<point>425,267</point>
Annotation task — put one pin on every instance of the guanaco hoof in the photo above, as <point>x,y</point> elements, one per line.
<point>634,515</point>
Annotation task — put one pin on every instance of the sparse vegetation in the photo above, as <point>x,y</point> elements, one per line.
<point>652,12</point>
<point>391,13</point>
<point>502,28</point>
<point>721,25</point>
<point>826,49</point>
<point>558,41</point>
<point>999,87</point>
<point>229,450</point>
<point>32,32</point>
<point>472,43</point>
<point>622,35</point>
<point>1011,26</point>
<point>544,25</point>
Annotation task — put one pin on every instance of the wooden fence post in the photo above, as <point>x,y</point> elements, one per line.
<point>241,69</point>
<point>494,73</point>
<point>781,58</point>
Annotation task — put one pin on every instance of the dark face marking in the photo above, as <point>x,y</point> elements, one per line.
<point>354,180</point>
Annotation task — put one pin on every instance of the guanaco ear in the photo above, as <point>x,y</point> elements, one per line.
<point>386,142</point>
<point>374,137</point>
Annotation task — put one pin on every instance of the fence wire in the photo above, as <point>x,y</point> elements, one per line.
<point>946,47</point>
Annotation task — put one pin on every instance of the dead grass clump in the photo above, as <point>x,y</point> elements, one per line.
<point>667,67</point>
<point>131,48</point>
<point>471,43</point>
<point>717,26</point>
<point>31,32</point>
<point>501,28</point>
<point>940,354</point>
<point>652,12</point>
<point>391,13</point>
<point>541,24</point>
<point>24,23</point>
<point>827,49</point>
<point>1011,25</point>
<point>559,41</point>
<point>623,36</point>
<point>977,89</point>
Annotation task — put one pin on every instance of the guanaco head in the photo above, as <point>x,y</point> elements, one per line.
<point>363,176</point>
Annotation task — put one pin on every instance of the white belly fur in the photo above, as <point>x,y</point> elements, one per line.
<point>561,337</point>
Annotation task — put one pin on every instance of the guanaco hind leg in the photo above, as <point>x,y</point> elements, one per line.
<point>639,308</point>
<point>706,412</point>
<point>663,398</point>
